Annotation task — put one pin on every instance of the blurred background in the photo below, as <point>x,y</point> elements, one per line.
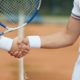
<point>56,7</point>
<point>56,10</point>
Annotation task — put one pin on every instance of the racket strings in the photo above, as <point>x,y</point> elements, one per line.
<point>11,9</point>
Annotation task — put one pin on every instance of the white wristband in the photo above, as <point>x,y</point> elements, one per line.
<point>34,41</point>
<point>5,43</point>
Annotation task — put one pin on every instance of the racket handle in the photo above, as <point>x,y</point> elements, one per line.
<point>4,26</point>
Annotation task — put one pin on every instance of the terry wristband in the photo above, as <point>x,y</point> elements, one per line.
<point>5,43</point>
<point>34,41</point>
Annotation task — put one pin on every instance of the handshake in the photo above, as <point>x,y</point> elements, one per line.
<point>20,48</point>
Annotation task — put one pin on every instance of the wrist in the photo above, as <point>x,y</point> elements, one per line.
<point>14,44</point>
<point>6,43</point>
<point>34,41</point>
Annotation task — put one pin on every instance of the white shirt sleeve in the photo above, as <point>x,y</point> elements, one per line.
<point>5,43</point>
<point>76,9</point>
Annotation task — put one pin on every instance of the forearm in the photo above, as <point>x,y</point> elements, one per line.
<point>58,40</point>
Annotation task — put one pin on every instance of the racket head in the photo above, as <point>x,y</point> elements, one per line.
<point>12,10</point>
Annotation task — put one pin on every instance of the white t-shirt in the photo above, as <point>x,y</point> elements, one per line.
<point>76,9</point>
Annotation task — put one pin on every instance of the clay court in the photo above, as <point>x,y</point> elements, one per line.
<point>41,64</point>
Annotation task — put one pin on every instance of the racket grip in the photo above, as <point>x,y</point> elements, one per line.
<point>1,24</point>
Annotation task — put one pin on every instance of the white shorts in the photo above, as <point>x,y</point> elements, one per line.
<point>76,71</point>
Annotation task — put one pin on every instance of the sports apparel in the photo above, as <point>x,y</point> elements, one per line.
<point>5,43</point>
<point>76,14</point>
<point>76,71</point>
<point>76,9</point>
<point>34,41</point>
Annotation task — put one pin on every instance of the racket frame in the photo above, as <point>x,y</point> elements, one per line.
<point>23,25</point>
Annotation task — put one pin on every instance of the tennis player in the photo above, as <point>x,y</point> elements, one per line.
<point>61,39</point>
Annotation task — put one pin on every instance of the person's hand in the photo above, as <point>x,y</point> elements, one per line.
<point>19,48</point>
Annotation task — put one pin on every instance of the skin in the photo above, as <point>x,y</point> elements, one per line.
<point>57,40</point>
<point>65,38</point>
<point>19,48</point>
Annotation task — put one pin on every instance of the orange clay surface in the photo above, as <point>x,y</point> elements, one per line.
<point>41,64</point>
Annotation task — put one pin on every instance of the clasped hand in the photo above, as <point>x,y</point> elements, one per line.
<point>19,48</point>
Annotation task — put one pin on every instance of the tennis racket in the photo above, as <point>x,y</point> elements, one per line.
<point>15,14</point>
<point>11,10</point>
